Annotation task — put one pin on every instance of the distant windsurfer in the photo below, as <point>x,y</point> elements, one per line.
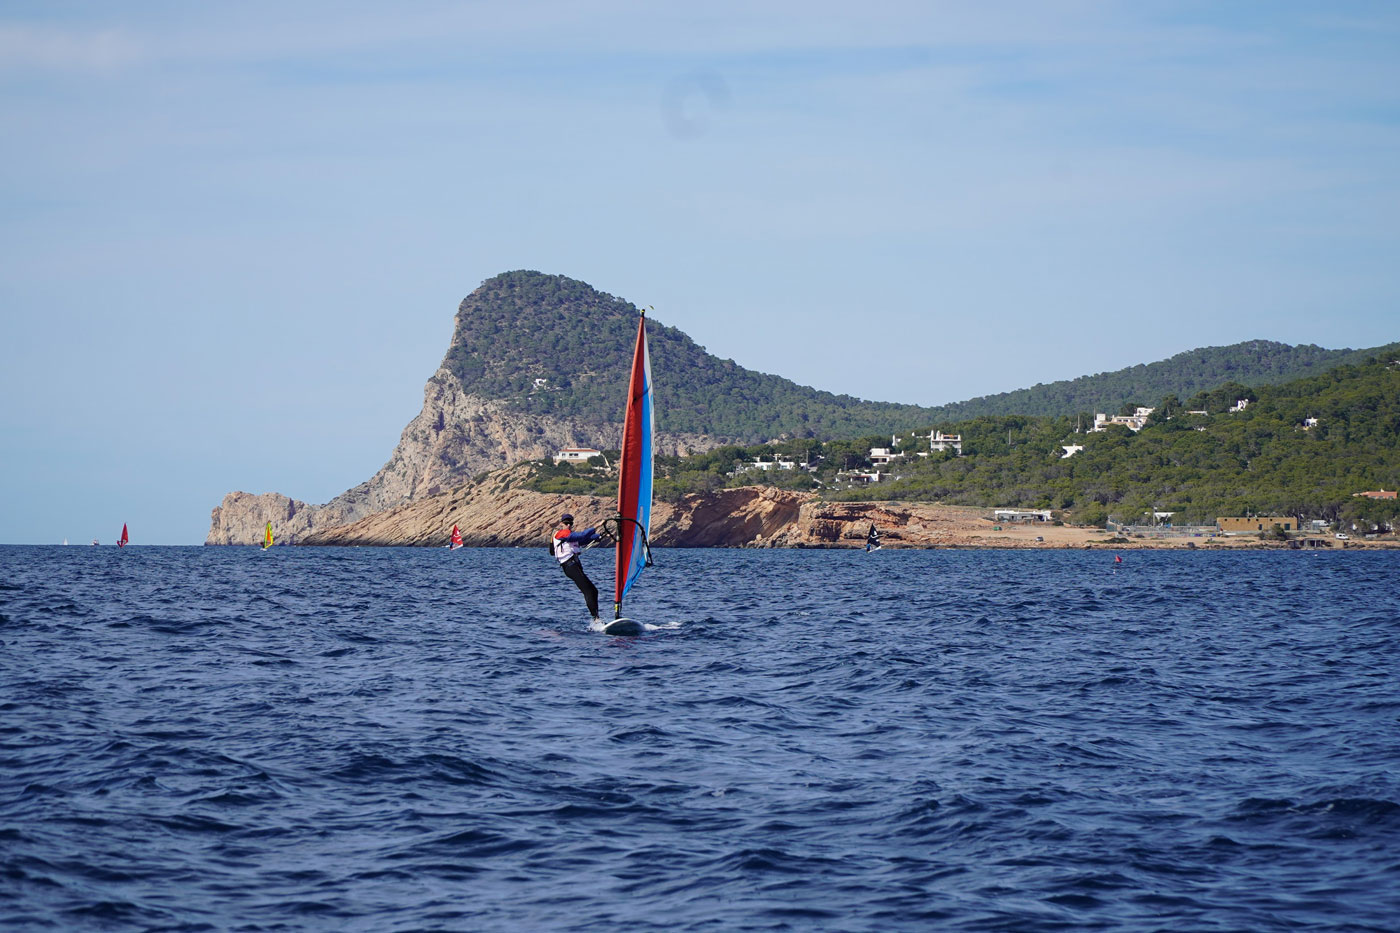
<point>872,540</point>
<point>566,545</point>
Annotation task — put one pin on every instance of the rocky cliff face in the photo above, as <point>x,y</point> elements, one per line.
<point>242,517</point>
<point>457,435</point>
<point>497,513</point>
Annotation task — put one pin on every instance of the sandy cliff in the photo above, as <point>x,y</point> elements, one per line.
<point>455,437</point>
<point>496,512</point>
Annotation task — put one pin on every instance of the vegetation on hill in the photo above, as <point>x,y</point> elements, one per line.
<point>523,327</point>
<point>1255,362</point>
<point>549,344</point>
<point>1264,459</point>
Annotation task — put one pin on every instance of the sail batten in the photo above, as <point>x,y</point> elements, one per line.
<point>635,473</point>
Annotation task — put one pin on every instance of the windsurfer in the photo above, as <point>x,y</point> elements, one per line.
<point>566,545</point>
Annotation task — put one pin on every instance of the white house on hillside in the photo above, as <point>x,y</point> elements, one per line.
<point>941,441</point>
<point>576,455</point>
<point>1134,422</point>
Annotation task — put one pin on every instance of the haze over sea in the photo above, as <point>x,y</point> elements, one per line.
<point>367,739</point>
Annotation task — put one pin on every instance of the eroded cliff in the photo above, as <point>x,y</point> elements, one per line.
<point>497,512</point>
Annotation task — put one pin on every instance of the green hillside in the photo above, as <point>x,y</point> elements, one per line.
<point>1255,362</point>
<point>1264,459</point>
<point>522,327</point>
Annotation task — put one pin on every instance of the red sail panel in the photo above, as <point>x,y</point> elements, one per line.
<point>634,476</point>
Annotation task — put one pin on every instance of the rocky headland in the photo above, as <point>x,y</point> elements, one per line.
<point>538,362</point>
<point>458,434</point>
<point>499,512</point>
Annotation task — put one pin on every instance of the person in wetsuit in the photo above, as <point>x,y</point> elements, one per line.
<point>566,545</point>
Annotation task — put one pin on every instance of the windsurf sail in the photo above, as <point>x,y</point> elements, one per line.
<point>634,475</point>
<point>267,537</point>
<point>872,540</point>
<point>121,542</point>
<point>456,538</point>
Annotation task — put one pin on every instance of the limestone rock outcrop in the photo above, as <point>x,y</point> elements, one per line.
<point>242,517</point>
<point>497,512</point>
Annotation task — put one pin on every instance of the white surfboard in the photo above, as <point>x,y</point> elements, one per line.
<point>623,627</point>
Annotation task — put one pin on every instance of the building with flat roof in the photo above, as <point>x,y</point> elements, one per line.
<point>1134,422</point>
<point>1021,515</point>
<point>1255,524</point>
<point>576,455</point>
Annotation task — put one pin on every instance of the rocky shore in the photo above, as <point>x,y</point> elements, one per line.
<point>497,512</point>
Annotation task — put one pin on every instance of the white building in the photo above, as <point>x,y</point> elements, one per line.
<point>941,441</point>
<point>1134,422</point>
<point>1021,515</point>
<point>1070,450</point>
<point>766,465</point>
<point>1240,405</point>
<point>576,455</point>
<point>937,440</point>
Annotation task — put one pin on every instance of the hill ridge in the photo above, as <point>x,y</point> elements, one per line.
<point>536,363</point>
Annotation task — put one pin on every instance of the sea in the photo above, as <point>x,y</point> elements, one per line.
<point>363,739</point>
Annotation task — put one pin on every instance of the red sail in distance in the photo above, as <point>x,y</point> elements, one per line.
<point>121,542</point>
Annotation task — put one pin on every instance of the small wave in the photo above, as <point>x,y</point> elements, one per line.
<point>449,769</point>
<point>641,734</point>
<point>465,843</point>
<point>767,860</point>
<point>192,823</point>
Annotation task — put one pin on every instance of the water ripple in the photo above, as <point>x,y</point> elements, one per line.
<point>371,739</point>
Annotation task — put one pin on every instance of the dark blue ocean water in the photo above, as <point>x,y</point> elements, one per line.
<point>379,740</point>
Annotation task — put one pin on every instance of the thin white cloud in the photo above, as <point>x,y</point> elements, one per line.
<point>46,48</point>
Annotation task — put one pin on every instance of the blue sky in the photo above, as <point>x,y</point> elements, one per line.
<point>233,236</point>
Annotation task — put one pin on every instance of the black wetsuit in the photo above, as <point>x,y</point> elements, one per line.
<point>573,567</point>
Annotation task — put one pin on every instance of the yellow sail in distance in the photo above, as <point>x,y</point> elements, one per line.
<point>267,537</point>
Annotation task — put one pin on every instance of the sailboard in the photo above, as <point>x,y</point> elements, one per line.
<point>121,542</point>
<point>634,486</point>
<point>267,537</point>
<point>456,539</point>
